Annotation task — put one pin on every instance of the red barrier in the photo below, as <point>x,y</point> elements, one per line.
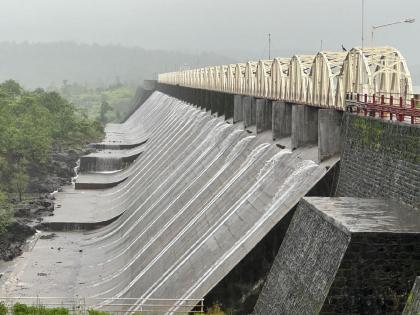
<point>385,107</point>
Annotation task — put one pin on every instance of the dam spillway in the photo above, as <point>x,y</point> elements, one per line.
<point>199,197</point>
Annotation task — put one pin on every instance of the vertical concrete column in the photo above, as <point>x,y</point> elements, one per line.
<point>187,94</point>
<point>213,102</point>
<point>208,100</point>
<point>237,108</point>
<point>181,92</point>
<point>249,111</point>
<point>195,94</point>
<point>263,114</point>
<point>198,98</point>
<point>329,132</point>
<point>228,105</point>
<point>203,99</point>
<point>282,119</point>
<point>304,125</point>
<point>220,103</point>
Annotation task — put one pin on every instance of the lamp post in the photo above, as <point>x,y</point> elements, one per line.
<point>411,20</point>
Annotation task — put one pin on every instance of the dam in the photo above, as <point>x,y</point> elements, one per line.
<point>180,197</point>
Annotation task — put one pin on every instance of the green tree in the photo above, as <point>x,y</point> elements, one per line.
<point>19,181</point>
<point>105,108</point>
<point>31,124</point>
<point>5,213</point>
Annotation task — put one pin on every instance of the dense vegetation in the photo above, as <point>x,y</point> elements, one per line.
<point>23,309</point>
<point>110,104</point>
<point>32,124</point>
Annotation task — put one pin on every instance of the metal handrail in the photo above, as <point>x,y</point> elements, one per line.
<point>398,109</point>
<point>81,305</point>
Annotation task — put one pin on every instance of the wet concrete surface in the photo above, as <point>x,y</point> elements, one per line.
<point>196,201</point>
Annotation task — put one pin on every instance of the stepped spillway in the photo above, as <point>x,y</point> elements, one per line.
<point>196,201</point>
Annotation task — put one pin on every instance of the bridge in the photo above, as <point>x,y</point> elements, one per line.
<point>323,80</point>
<point>303,97</point>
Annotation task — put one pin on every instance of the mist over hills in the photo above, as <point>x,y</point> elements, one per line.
<point>49,64</point>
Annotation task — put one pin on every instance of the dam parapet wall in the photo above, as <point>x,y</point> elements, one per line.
<point>380,159</point>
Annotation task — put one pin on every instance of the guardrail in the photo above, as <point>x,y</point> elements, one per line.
<point>385,107</point>
<point>82,306</point>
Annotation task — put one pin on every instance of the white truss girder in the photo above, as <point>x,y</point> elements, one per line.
<point>320,80</point>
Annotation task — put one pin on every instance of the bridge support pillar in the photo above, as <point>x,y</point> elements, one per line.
<point>228,105</point>
<point>198,98</point>
<point>208,100</point>
<point>237,108</point>
<point>203,99</point>
<point>220,99</point>
<point>213,102</point>
<point>195,97</point>
<point>263,114</point>
<point>304,125</point>
<point>187,95</point>
<point>249,111</point>
<point>282,119</point>
<point>181,93</point>
<point>329,131</point>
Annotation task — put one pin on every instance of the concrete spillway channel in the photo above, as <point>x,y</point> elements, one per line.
<point>194,203</point>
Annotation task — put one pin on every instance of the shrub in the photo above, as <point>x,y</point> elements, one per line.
<point>215,310</point>
<point>95,312</point>
<point>23,309</point>
<point>5,214</point>
<point>3,309</point>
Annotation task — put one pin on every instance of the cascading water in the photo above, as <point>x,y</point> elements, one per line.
<point>194,204</point>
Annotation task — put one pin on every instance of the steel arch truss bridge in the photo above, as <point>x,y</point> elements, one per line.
<point>322,80</point>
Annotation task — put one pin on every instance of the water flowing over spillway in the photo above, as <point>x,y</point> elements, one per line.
<point>197,200</point>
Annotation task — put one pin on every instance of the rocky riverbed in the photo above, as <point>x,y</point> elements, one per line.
<point>39,201</point>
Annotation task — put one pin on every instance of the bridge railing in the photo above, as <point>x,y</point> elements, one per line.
<point>82,306</point>
<point>386,107</point>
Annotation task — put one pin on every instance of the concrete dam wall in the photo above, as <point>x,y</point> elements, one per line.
<point>193,204</point>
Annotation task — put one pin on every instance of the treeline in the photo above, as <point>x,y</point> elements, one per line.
<point>92,65</point>
<point>105,104</point>
<point>32,123</point>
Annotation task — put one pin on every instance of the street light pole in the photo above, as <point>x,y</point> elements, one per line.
<point>390,24</point>
<point>363,24</point>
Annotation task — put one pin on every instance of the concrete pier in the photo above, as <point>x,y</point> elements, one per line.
<point>238,108</point>
<point>282,119</point>
<point>329,126</point>
<point>249,111</point>
<point>213,102</point>
<point>228,105</point>
<point>263,115</point>
<point>304,125</point>
<point>207,97</point>
<point>220,100</point>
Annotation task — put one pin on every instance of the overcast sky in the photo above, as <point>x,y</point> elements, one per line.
<point>236,28</point>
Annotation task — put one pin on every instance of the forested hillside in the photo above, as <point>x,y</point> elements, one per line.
<point>51,64</point>
<point>38,131</point>
<point>105,104</point>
